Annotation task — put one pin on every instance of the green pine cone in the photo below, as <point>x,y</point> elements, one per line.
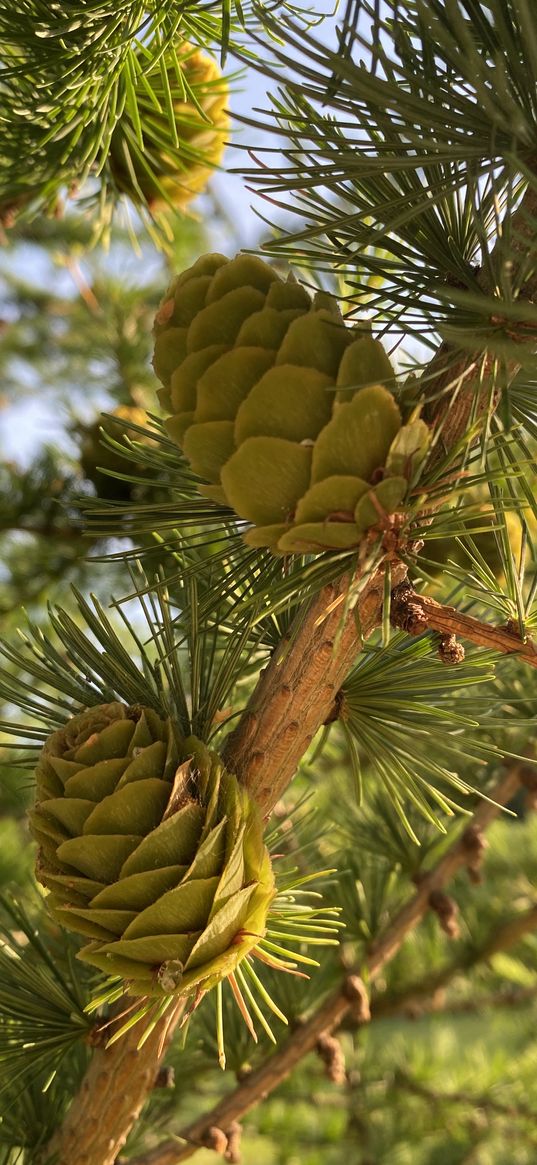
<point>149,848</point>
<point>280,408</point>
<point>172,167</point>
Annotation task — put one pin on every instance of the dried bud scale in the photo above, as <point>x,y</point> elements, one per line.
<point>446,910</point>
<point>450,651</point>
<point>331,1052</point>
<point>233,1151</point>
<point>215,1139</point>
<point>475,845</point>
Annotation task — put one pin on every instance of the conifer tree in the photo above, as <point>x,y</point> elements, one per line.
<point>283,775</point>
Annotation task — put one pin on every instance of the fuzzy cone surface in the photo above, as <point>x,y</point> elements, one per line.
<point>282,410</point>
<point>150,849</point>
<point>172,168</point>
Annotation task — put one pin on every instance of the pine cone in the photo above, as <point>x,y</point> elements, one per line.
<point>170,170</point>
<point>150,849</point>
<point>95,455</point>
<point>280,408</point>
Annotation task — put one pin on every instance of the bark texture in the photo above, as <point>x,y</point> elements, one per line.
<point>296,692</point>
<point>417,613</point>
<point>115,1086</point>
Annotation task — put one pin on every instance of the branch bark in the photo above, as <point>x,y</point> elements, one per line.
<point>485,1102</point>
<point>503,937</point>
<point>456,857</point>
<point>496,1000</point>
<point>296,692</point>
<point>339,1004</point>
<point>258,1084</point>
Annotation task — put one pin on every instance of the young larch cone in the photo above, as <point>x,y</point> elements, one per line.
<point>283,411</point>
<point>172,168</point>
<point>150,849</point>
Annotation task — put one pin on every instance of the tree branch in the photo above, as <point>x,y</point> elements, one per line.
<point>404,1005</point>
<point>296,692</point>
<point>261,1081</point>
<point>388,943</point>
<point>487,1102</point>
<point>415,613</point>
<point>258,1083</point>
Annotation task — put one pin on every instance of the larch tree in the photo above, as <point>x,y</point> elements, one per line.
<point>271,743</point>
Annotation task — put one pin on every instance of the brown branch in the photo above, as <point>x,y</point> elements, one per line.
<point>261,1081</point>
<point>386,946</point>
<point>417,613</point>
<point>458,382</point>
<point>511,997</point>
<point>296,692</point>
<point>257,1084</point>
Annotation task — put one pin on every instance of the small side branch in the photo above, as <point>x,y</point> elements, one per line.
<point>495,1000</point>
<point>415,613</point>
<point>502,937</point>
<point>388,943</point>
